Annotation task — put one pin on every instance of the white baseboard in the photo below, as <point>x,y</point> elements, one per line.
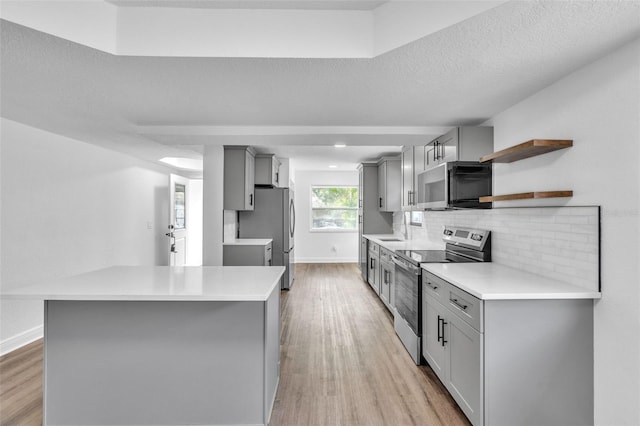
<point>19,340</point>
<point>325,260</point>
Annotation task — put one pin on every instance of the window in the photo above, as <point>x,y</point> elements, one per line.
<point>334,208</point>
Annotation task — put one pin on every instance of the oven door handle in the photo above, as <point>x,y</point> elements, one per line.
<point>410,268</point>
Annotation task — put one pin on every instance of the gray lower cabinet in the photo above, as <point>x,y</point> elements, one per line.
<point>510,362</point>
<point>246,255</point>
<point>373,277</point>
<point>364,256</point>
<point>387,278</point>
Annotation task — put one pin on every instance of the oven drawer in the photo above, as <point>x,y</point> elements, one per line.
<point>465,306</point>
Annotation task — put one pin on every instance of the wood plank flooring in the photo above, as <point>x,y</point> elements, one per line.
<point>341,362</point>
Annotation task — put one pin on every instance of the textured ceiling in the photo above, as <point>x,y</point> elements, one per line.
<point>463,74</point>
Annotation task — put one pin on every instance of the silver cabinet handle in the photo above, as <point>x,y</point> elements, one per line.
<point>431,286</point>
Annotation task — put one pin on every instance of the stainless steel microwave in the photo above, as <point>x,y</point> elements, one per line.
<point>455,185</point>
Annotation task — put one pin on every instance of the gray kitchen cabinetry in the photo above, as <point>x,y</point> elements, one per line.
<point>370,219</point>
<point>459,144</point>
<point>246,254</point>
<point>389,184</point>
<point>412,164</point>
<point>373,277</point>
<point>239,178</point>
<point>510,362</point>
<point>364,256</point>
<point>387,278</point>
<point>267,170</point>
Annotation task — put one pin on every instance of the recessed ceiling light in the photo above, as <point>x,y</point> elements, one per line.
<point>333,166</point>
<point>340,145</point>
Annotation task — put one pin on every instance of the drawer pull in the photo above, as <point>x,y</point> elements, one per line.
<point>458,304</point>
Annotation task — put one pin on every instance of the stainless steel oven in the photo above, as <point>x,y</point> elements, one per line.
<point>462,245</point>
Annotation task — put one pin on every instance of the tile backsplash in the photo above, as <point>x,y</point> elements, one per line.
<point>230,225</point>
<point>562,243</point>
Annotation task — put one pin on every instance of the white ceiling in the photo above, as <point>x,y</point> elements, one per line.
<point>461,75</point>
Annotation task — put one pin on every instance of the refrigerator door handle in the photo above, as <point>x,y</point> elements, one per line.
<point>292,219</point>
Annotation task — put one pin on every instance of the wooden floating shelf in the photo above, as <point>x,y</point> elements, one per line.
<point>527,149</point>
<point>526,196</point>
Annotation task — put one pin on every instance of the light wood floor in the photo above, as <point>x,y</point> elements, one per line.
<point>341,362</point>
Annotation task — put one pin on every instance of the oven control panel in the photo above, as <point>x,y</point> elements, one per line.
<point>468,237</point>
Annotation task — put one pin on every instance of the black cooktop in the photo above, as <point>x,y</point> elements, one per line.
<point>432,256</point>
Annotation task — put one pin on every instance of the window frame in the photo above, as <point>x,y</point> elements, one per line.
<point>331,230</point>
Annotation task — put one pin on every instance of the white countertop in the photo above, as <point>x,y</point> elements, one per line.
<point>187,283</point>
<point>403,245</point>
<point>248,242</point>
<point>491,281</point>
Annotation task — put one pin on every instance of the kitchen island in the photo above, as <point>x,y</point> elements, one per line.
<point>160,345</point>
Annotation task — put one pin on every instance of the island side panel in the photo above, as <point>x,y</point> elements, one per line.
<point>152,362</point>
<point>272,351</point>
<point>539,362</point>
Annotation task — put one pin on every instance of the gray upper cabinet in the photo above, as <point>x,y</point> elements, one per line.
<point>459,144</point>
<point>389,184</point>
<point>267,170</point>
<point>408,194</point>
<point>411,164</point>
<point>372,220</point>
<point>239,178</point>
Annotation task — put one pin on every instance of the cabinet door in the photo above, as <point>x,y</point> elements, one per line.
<point>385,277</point>
<point>275,171</point>
<point>430,154</point>
<point>249,171</point>
<point>448,146</point>
<point>363,258</point>
<point>382,186</point>
<point>433,341</point>
<point>464,365</point>
<point>407,177</point>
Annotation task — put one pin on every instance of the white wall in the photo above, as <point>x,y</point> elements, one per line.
<point>69,207</point>
<point>598,107</point>
<point>213,217</point>
<point>321,247</point>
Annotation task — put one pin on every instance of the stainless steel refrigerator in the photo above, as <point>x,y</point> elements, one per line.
<point>274,216</point>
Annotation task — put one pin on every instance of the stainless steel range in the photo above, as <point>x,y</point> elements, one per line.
<point>462,245</point>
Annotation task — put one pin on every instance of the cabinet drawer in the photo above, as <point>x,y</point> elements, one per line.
<point>373,247</point>
<point>465,306</point>
<point>385,256</point>
<point>435,287</point>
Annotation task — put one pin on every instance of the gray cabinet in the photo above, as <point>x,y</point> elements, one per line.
<point>453,350</point>
<point>247,254</point>
<point>510,362</point>
<point>267,170</point>
<point>408,194</point>
<point>387,278</point>
<point>239,178</point>
<point>412,164</point>
<point>389,184</point>
<point>370,219</point>
<point>459,144</point>
<point>373,277</point>
<point>363,256</point>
